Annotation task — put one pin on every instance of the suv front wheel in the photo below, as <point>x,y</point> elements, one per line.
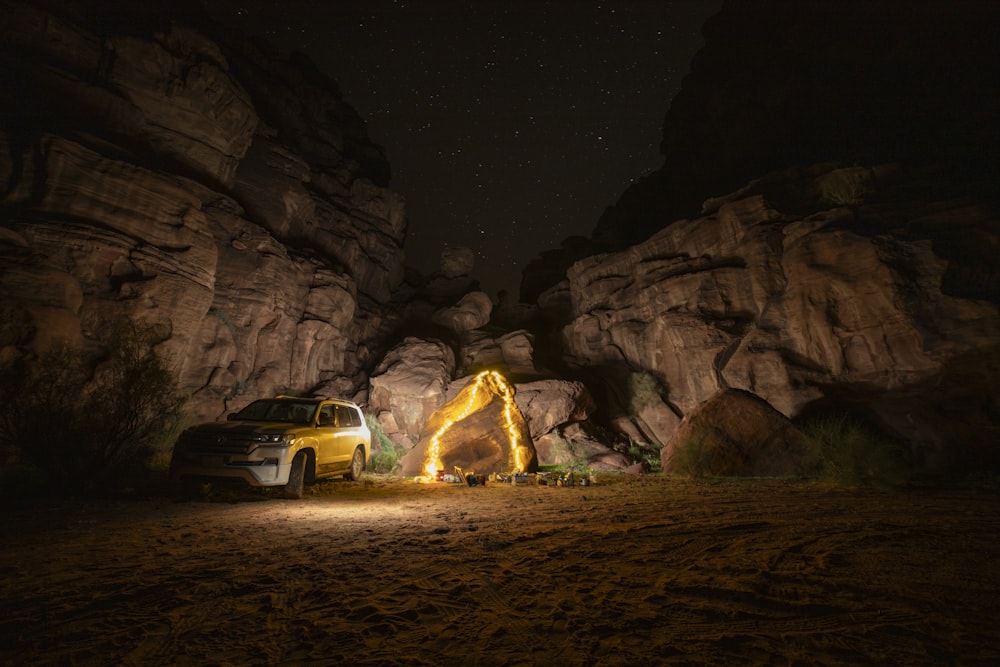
<point>297,476</point>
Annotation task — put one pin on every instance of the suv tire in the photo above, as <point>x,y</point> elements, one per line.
<point>297,476</point>
<point>357,465</point>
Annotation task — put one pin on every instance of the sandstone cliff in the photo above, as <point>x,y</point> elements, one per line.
<point>192,180</point>
<point>856,271</point>
<point>886,307</point>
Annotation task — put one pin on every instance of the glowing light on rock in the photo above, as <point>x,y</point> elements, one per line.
<point>484,385</point>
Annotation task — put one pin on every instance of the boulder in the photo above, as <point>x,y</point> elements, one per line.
<point>737,434</point>
<point>548,404</point>
<point>480,430</point>
<point>471,312</point>
<point>457,261</point>
<point>573,446</point>
<point>410,382</point>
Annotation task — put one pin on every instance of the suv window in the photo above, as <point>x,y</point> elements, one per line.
<point>278,410</point>
<point>347,417</point>
<point>326,416</point>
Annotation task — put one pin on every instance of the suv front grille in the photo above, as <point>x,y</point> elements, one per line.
<point>220,443</point>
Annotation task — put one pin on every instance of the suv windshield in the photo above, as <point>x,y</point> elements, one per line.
<point>278,410</point>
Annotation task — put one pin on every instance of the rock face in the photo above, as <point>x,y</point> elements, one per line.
<point>480,430</point>
<point>877,308</point>
<point>865,288</point>
<point>184,178</point>
<point>513,352</point>
<point>548,404</point>
<point>409,383</point>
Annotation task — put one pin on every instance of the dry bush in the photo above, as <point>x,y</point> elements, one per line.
<point>91,424</point>
<point>851,453</point>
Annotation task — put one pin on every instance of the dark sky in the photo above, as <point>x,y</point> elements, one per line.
<point>509,126</point>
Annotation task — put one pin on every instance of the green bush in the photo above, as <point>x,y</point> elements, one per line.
<point>852,453</point>
<point>385,453</point>
<point>641,452</point>
<point>643,389</point>
<point>91,423</point>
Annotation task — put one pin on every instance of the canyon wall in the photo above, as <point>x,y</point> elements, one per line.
<point>193,181</point>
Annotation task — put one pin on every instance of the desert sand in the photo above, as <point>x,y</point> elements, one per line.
<point>634,570</point>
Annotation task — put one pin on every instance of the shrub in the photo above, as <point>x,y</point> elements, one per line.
<point>643,389</point>
<point>385,458</point>
<point>88,425</point>
<point>852,453</point>
<point>641,452</point>
<point>847,187</point>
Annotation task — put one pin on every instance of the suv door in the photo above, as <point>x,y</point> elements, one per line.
<point>326,438</point>
<point>345,436</point>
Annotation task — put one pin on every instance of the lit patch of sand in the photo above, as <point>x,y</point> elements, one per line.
<point>631,571</point>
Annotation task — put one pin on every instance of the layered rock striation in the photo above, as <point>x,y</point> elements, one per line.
<point>163,170</point>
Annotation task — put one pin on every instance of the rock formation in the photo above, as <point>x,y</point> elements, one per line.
<point>852,266</point>
<point>480,430</point>
<point>157,167</point>
<point>513,352</point>
<point>186,178</point>
<point>785,83</point>
<point>863,307</point>
<point>471,312</point>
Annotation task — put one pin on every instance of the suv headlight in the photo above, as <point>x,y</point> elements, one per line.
<point>272,438</point>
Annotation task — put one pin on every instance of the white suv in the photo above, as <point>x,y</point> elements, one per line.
<point>283,441</point>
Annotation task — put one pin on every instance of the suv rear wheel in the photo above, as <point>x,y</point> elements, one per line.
<point>357,464</point>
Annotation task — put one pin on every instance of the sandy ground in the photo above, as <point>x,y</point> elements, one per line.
<point>388,572</point>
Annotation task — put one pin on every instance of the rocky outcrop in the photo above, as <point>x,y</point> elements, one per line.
<point>512,353</point>
<point>457,261</point>
<point>574,446</point>
<point>549,404</point>
<point>875,307</point>
<point>868,289</point>
<point>558,413</point>
<point>413,389</point>
<point>171,173</point>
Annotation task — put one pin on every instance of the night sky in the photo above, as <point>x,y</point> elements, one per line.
<point>509,126</point>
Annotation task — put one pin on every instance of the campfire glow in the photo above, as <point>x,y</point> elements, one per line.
<point>484,385</point>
